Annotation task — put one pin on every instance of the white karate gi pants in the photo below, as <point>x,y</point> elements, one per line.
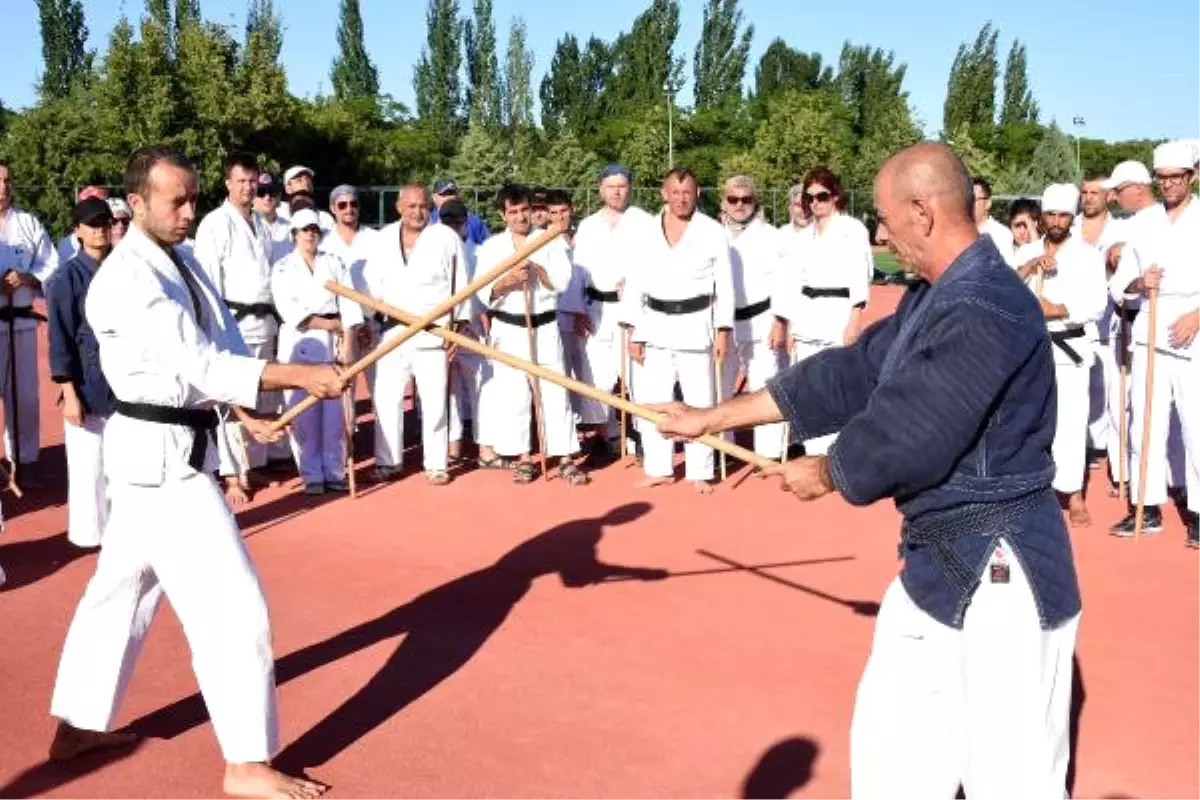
<point>760,363</point>
<point>1070,434</point>
<point>87,488</point>
<point>655,383</point>
<point>802,349</point>
<point>177,539</point>
<point>600,366</point>
<point>1105,416</point>
<point>28,408</point>
<point>318,436</point>
<point>988,705</point>
<point>466,376</point>
<point>427,367</point>
<point>238,459</point>
<point>505,398</point>
<point>1175,379</point>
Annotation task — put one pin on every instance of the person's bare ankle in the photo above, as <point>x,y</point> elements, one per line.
<point>261,780</point>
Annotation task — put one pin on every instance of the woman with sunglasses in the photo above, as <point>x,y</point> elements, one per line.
<point>829,277</point>
<point>317,327</point>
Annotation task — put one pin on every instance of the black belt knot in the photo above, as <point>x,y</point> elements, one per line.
<point>538,320</point>
<point>243,310</point>
<point>812,291</point>
<point>1126,313</point>
<point>200,421</point>
<point>1060,339</point>
<point>594,295</point>
<point>689,306</point>
<point>751,311</point>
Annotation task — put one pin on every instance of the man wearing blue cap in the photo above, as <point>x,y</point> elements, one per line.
<point>606,247</point>
<point>447,189</point>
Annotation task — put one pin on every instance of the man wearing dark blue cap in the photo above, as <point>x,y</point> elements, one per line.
<point>447,189</point>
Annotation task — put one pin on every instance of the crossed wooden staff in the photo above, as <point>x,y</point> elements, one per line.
<point>427,322</point>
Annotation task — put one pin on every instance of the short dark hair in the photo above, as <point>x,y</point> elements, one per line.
<point>539,196</point>
<point>453,212</point>
<point>301,200</point>
<point>558,197</point>
<point>240,158</point>
<point>1025,205</point>
<point>1092,177</point>
<point>513,194</point>
<point>827,178</point>
<point>681,174</point>
<point>144,159</point>
<point>984,184</point>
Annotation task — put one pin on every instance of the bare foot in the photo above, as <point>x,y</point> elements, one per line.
<point>1079,516</point>
<point>649,482</point>
<point>70,742</point>
<point>703,487</point>
<point>260,780</point>
<point>235,493</point>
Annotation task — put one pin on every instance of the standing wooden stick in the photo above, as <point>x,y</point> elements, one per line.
<point>719,368</point>
<point>15,408</point>
<point>539,417</point>
<point>1143,461</point>
<point>349,417</point>
<point>625,391</point>
<point>570,384</point>
<point>523,252</point>
<point>1123,408</point>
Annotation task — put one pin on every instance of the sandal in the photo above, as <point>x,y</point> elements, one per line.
<point>495,462</point>
<point>573,475</point>
<point>438,477</point>
<point>524,472</point>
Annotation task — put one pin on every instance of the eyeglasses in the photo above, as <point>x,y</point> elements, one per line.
<point>739,200</point>
<point>819,197</point>
<point>342,205</point>
<point>122,221</point>
<point>1175,177</point>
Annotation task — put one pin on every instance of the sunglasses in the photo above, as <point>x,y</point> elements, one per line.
<point>739,200</point>
<point>819,197</point>
<point>342,205</point>
<point>265,192</point>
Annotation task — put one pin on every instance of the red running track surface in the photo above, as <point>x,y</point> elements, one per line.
<point>485,639</point>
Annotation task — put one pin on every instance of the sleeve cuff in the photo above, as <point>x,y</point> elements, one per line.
<point>790,412</point>
<point>246,381</point>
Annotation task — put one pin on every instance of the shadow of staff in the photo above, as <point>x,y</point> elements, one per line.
<point>442,629</point>
<point>48,775</point>
<point>783,769</point>
<point>29,561</point>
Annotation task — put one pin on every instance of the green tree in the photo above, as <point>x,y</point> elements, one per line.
<point>354,76</point>
<point>643,147</point>
<point>264,30</point>
<point>64,52</point>
<point>517,97</point>
<point>780,69</point>
<point>978,161</point>
<point>644,63</point>
<point>871,85</point>
<point>1053,161</point>
<point>719,65</point>
<point>971,90</point>
<point>566,164</point>
<point>483,71</point>
<point>1019,106</point>
<point>572,90</point>
<point>436,78</point>
<point>483,161</point>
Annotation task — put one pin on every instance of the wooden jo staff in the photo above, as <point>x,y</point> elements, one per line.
<point>1139,513</point>
<point>523,252</point>
<point>715,442</point>
<point>349,417</point>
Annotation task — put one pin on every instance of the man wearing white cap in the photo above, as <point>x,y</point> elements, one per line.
<point>411,265</point>
<point>1166,263</point>
<point>300,179</point>
<point>1068,277</point>
<point>233,246</point>
<point>606,248</point>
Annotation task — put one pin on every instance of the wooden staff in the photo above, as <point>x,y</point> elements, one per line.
<point>530,247</point>
<point>625,391</point>
<point>1143,461</point>
<point>719,366</point>
<point>534,384</point>
<point>15,408</point>
<point>348,419</point>
<point>570,384</point>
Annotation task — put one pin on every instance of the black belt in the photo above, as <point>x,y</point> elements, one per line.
<point>688,306</point>
<point>1059,338</point>
<point>385,322</point>
<point>538,320</point>
<point>594,295</point>
<point>810,291</point>
<point>751,311</point>
<point>200,421</point>
<point>10,313</point>
<point>1126,314</point>
<point>243,310</point>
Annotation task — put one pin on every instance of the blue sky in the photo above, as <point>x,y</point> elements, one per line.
<point>1128,71</point>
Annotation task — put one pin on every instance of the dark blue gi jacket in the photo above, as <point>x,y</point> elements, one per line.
<point>948,406</point>
<point>74,353</point>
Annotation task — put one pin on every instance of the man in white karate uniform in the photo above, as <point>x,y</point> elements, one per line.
<point>173,355</point>
<point>505,397</point>
<point>1163,257</point>
<point>467,369</point>
<point>1001,236</point>
<point>756,261</point>
<point>1067,275</point>
<point>607,248</point>
<point>411,266</point>
<point>266,205</point>
<point>27,260</point>
<point>680,306</point>
<point>572,312</point>
<point>234,247</point>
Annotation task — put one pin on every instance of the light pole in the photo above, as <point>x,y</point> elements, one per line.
<point>1078,122</point>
